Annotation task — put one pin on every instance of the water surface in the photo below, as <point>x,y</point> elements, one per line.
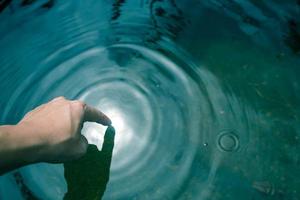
<point>204,95</point>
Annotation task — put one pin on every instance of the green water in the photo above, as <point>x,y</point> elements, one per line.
<point>204,96</point>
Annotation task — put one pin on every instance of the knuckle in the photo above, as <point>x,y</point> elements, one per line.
<point>77,107</point>
<point>60,98</point>
<point>78,104</point>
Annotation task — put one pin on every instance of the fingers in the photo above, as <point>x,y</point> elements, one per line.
<point>89,113</point>
<point>108,143</point>
<point>109,133</point>
<point>92,114</point>
<point>84,143</point>
<point>80,148</point>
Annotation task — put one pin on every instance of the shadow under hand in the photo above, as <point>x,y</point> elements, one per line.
<point>87,177</point>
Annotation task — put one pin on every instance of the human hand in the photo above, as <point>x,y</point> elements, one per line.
<point>55,129</point>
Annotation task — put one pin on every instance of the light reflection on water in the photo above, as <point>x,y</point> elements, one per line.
<point>223,128</point>
<point>151,119</point>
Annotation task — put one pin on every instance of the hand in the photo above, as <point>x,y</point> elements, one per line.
<point>56,127</point>
<point>49,133</point>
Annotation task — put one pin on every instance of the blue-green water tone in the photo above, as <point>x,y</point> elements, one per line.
<point>204,95</point>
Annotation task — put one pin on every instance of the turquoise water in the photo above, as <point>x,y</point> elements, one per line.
<point>204,95</point>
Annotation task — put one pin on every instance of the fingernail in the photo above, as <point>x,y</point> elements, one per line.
<point>107,121</point>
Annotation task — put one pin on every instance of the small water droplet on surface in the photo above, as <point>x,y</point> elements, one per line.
<point>228,141</point>
<point>205,144</point>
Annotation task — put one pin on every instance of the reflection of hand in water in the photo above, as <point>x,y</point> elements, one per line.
<point>87,177</point>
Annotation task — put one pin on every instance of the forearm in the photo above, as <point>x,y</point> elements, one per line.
<point>17,148</point>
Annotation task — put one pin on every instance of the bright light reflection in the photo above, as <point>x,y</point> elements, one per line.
<point>117,120</point>
<point>95,132</point>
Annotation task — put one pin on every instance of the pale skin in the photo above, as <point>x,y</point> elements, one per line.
<point>49,133</point>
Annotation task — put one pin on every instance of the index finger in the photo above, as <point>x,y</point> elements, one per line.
<point>92,114</point>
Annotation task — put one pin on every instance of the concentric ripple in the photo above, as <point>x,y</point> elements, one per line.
<point>163,106</point>
<point>196,117</point>
<point>143,96</point>
<point>161,110</point>
<point>150,100</point>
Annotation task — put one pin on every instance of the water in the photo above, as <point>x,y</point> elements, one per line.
<point>204,95</point>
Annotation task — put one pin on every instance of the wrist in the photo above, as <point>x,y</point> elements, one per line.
<point>21,144</point>
<point>32,142</point>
